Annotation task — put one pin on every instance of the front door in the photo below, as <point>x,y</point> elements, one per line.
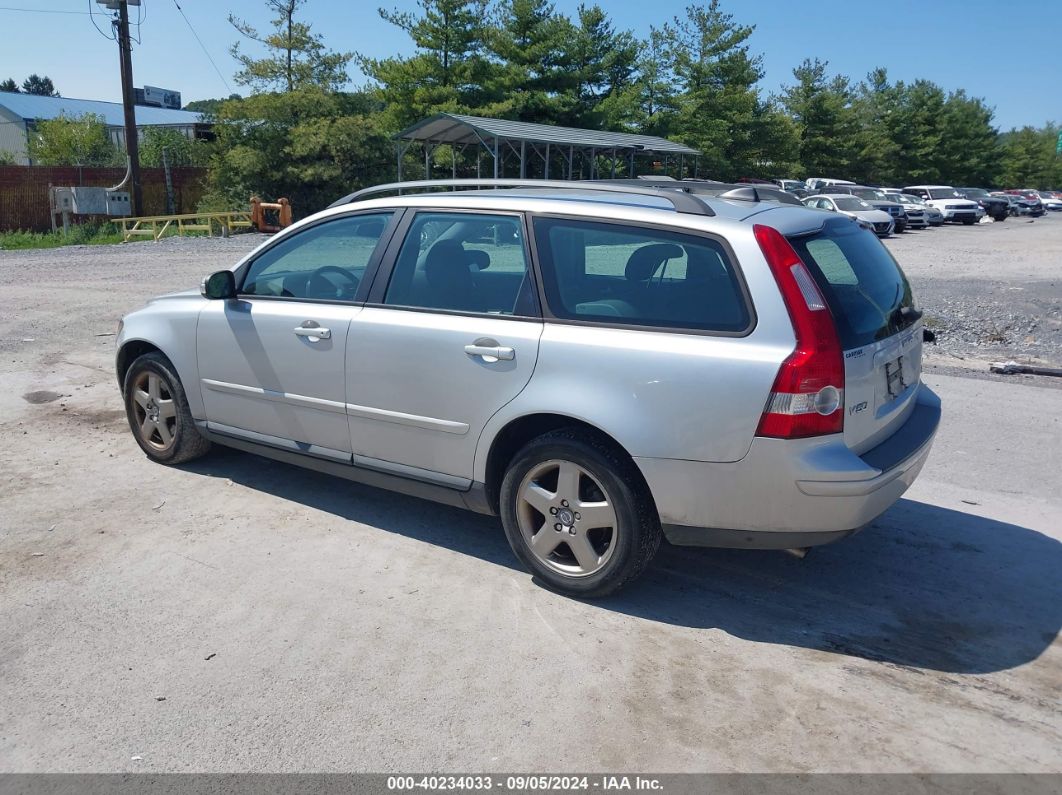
<point>271,361</point>
<point>450,335</point>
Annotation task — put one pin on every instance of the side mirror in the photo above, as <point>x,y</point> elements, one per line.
<point>219,285</point>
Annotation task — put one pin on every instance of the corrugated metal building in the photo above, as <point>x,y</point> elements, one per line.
<point>20,112</point>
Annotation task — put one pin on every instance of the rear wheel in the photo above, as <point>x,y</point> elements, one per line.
<point>158,412</point>
<point>577,513</point>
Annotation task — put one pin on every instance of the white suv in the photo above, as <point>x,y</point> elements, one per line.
<point>600,365</point>
<point>952,204</point>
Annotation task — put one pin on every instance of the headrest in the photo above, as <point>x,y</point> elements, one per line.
<point>645,261</point>
<point>479,259</point>
<point>447,262</point>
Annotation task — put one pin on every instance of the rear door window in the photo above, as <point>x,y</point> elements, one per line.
<point>464,262</point>
<point>638,276</point>
<point>864,286</point>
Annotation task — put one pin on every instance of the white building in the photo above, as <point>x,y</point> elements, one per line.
<point>20,112</point>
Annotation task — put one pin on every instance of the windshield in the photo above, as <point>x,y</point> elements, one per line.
<point>944,193</point>
<point>859,279</point>
<point>907,198</point>
<point>872,195</point>
<point>851,204</point>
<point>975,193</point>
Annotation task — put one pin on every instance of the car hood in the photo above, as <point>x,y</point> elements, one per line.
<point>193,293</point>
<point>874,216</point>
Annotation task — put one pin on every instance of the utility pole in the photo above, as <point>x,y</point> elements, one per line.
<point>132,142</point>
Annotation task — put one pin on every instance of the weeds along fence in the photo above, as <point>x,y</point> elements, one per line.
<point>24,191</point>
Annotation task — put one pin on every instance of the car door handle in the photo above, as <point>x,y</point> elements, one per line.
<point>315,332</point>
<point>491,352</point>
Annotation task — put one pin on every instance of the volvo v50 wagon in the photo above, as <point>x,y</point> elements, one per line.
<point>599,365</point>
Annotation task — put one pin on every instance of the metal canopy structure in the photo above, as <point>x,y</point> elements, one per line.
<point>538,149</point>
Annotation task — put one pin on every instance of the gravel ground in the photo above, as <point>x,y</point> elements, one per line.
<point>991,292</point>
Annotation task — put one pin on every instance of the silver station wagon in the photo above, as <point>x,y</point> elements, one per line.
<point>600,365</point>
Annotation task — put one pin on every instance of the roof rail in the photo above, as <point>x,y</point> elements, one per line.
<point>682,202</point>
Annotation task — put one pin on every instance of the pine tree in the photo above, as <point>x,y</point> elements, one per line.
<point>41,86</point>
<point>448,69</point>
<point>296,57</point>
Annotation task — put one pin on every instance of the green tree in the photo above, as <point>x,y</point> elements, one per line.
<point>820,107</point>
<point>180,149</point>
<point>720,110</point>
<point>295,56</point>
<point>308,145</point>
<point>9,85</point>
<point>969,152</point>
<point>447,70</point>
<point>877,106</point>
<point>655,98</point>
<point>602,65</point>
<point>42,86</point>
<point>1029,160</point>
<point>533,81</point>
<point>72,141</point>
<point>208,107</point>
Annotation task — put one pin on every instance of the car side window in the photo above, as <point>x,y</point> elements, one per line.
<point>463,262</point>
<point>326,261</point>
<point>637,276</point>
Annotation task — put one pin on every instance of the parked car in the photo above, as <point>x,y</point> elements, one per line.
<point>1030,199</point>
<point>880,221</point>
<point>1018,204</point>
<point>948,200</point>
<point>1050,200</point>
<point>818,183</point>
<point>934,217</point>
<point>794,186</point>
<point>598,365</point>
<point>876,199</point>
<point>916,211</point>
<point>997,209</point>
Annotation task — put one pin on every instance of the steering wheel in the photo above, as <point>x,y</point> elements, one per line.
<point>319,286</point>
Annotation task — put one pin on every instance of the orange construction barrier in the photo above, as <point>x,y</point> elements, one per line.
<point>279,215</point>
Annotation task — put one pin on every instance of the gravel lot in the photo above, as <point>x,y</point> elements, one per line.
<point>991,292</point>
<point>238,614</point>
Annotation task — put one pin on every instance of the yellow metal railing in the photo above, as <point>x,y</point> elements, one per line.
<point>155,226</point>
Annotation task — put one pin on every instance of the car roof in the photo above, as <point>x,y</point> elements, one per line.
<point>581,200</point>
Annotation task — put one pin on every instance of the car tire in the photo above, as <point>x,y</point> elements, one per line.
<point>559,484</point>
<point>158,412</point>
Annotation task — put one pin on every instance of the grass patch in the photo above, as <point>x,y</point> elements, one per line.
<point>79,235</point>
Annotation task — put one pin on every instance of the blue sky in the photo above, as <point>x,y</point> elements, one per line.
<point>1008,53</point>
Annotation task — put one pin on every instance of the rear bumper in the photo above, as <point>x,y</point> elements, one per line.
<point>790,493</point>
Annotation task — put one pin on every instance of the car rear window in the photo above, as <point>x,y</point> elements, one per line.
<point>864,286</point>
<point>640,276</point>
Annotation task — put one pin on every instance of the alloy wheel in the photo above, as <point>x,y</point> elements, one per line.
<point>566,518</point>
<point>155,411</point>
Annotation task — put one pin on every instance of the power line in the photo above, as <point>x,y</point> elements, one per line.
<point>92,16</point>
<point>202,46</point>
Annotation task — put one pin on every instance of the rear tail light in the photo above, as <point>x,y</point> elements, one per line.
<point>808,394</point>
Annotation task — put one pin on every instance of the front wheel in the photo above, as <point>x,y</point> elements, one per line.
<point>158,412</point>
<point>577,513</point>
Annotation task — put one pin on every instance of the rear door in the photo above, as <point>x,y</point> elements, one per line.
<point>450,335</point>
<point>879,325</point>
